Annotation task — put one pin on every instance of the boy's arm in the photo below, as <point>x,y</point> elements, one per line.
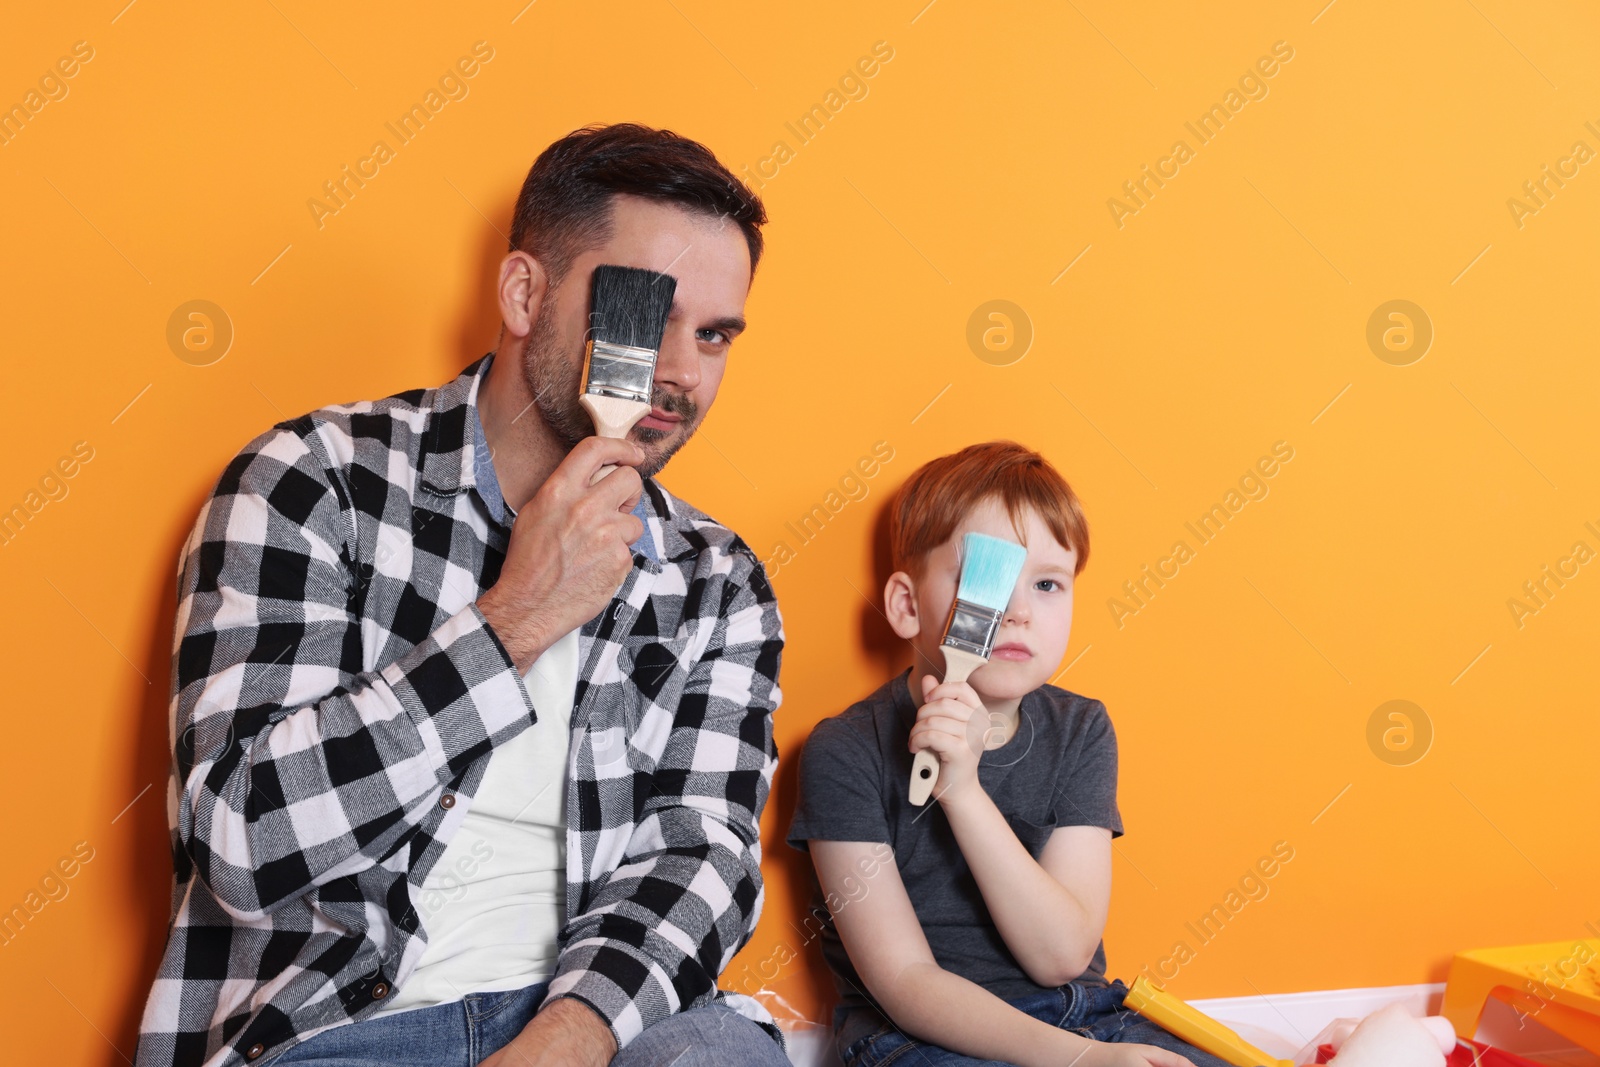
<point>884,940</point>
<point>1050,913</point>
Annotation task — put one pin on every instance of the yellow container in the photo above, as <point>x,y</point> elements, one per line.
<point>1556,985</point>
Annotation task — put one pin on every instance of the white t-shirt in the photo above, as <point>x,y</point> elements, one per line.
<point>494,904</point>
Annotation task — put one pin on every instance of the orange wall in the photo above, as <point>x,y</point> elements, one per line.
<point>1226,314</point>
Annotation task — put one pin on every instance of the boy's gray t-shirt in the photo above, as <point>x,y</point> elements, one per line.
<point>1058,769</point>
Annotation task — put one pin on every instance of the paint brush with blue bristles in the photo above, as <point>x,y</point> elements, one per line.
<point>990,568</point>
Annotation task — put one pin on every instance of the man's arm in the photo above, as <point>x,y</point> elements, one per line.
<point>565,1033</point>
<point>688,892</point>
<point>296,767</point>
<point>886,945</point>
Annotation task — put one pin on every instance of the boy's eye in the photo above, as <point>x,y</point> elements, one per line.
<point>1047,585</point>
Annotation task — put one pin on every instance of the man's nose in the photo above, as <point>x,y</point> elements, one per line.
<point>678,362</point>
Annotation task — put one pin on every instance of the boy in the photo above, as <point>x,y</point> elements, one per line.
<point>980,944</point>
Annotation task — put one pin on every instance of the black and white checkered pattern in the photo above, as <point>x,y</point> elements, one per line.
<point>336,691</point>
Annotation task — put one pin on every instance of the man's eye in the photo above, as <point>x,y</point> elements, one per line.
<point>711,336</point>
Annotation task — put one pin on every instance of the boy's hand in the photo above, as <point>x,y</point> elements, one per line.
<point>1101,1054</point>
<point>952,723</point>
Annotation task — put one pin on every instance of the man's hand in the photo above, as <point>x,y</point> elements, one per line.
<point>569,549</point>
<point>952,722</point>
<point>567,1033</point>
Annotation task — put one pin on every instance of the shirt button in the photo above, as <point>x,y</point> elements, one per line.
<point>447,801</point>
<point>380,990</point>
<point>254,1051</point>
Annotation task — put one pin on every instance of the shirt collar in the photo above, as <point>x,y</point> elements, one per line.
<point>487,483</point>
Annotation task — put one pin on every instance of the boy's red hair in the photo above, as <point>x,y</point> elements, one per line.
<point>932,503</point>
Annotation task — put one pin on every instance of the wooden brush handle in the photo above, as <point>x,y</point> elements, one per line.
<point>958,667</point>
<point>613,418</point>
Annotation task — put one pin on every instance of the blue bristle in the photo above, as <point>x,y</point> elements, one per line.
<point>990,568</point>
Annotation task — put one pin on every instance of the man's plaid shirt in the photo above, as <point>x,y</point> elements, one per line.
<point>337,692</point>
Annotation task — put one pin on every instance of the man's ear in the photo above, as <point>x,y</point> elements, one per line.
<point>900,605</point>
<point>524,287</point>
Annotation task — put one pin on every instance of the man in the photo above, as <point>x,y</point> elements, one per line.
<point>389,846</point>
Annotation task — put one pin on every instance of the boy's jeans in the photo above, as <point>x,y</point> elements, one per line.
<point>463,1032</point>
<point>1091,1011</point>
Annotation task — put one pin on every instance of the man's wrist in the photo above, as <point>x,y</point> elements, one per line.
<point>521,639</point>
<point>583,1018</point>
<point>573,1031</point>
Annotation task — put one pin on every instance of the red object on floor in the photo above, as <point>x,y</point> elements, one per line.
<point>1466,1054</point>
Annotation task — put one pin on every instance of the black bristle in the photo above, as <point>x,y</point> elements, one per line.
<point>629,306</point>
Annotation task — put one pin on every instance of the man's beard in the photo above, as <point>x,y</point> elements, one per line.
<point>556,383</point>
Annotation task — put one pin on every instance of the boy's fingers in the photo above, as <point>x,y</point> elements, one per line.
<point>931,729</point>
<point>960,692</point>
<point>950,724</point>
<point>943,737</point>
<point>960,723</point>
<point>933,711</point>
<point>933,733</point>
<point>945,706</point>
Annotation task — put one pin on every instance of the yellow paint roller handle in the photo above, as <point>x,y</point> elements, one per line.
<point>1195,1027</point>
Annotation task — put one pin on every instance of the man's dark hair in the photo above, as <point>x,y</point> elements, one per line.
<point>565,203</point>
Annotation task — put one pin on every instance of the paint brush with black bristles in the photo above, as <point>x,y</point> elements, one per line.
<point>990,568</point>
<point>628,309</point>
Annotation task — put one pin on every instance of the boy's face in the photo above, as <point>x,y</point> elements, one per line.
<point>1037,622</point>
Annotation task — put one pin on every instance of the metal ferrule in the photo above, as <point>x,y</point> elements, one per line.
<point>622,371</point>
<point>972,627</point>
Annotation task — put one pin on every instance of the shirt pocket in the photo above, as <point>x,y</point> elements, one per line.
<point>653,673</point>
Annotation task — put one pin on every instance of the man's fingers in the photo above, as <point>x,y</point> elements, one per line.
<point>620,489</point>
<point>632,528</point>
<point>592,453</point>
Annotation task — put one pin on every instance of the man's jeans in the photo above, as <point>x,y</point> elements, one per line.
<point>463,1032</point>
<point>1090,1011</point>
